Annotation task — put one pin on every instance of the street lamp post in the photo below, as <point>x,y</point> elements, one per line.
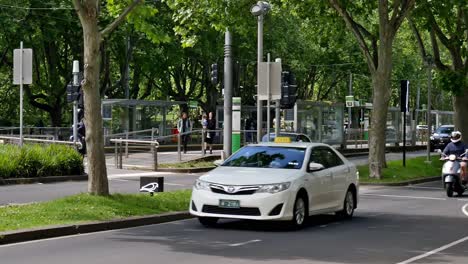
<point>260,9</point>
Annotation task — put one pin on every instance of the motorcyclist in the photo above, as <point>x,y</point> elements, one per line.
<point>457,147</point>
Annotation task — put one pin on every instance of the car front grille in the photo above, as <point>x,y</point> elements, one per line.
<point>246,192</point>
<point>212,209</point>
<point>233,189</point>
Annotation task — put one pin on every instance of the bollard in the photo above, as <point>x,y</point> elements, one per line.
<point>126,144</point>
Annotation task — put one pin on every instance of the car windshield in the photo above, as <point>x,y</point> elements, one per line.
<point>444,130</point>
<point>267,157</point>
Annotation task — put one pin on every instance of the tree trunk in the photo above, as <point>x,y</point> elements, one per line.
<point>381,98</point>
<point>97,183</point>
<point>460,107</point>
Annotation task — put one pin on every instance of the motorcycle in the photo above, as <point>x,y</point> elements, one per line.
<point>451,174</point>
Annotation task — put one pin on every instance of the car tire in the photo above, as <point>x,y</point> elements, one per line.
<point>348,206</point>
<point>300,212</point>
<point>208,221</point>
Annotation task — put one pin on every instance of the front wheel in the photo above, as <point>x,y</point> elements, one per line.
<point>300,212</point>
<point>208,221</point>
<point>449,189</point>
<point>348,206</point>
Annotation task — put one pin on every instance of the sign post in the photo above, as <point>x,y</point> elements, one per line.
<point>22,74</point>
<point>236,124</point>
<point>76,71</point>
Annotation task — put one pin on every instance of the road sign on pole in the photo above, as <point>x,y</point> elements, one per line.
<point>22,74</point>
<point>274,80</point>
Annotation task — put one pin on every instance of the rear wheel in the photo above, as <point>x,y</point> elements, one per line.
<point>449,189</point>
<point>348,206</point>
<point>208,221</point>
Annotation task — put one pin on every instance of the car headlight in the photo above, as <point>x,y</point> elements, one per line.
<point>274,188</point>
<point>201,185</point>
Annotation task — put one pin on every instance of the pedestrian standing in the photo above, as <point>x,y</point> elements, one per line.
<point>211,133</point>
<point>184,126</point>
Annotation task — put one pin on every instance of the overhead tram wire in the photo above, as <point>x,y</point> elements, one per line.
<point>3,6</point>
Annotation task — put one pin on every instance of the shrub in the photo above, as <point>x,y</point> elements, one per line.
<point>39,161</point>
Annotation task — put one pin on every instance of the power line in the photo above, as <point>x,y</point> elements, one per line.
<point>34,8</point>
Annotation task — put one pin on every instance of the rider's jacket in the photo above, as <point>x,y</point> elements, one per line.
<point>457,148</point>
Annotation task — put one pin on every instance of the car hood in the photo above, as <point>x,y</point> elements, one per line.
<point>249,176</point>
<point>437,135</point>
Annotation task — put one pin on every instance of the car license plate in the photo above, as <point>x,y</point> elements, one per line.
<point>229,203</point>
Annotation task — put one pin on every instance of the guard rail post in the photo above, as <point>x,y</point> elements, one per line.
<point>203,143</point>
<point>116,155</point>
<point>179,155</point>
<point>120,155</point>
<point>126,144</point>
<point>155,156</point>
<point>152,134</point>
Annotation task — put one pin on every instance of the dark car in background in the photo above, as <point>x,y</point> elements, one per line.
<point>441,137</point>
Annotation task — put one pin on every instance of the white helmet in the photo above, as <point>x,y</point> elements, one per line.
<point>455,136</point>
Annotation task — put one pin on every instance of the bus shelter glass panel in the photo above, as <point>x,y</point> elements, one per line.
<point>320,121</point>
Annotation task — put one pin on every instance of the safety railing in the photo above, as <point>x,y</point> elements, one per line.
<point>15,140</point>
<point>119,152</point>
<point>134,135</point>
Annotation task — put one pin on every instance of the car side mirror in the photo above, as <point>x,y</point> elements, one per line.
<point>217,163</point>
<point>315,167</point>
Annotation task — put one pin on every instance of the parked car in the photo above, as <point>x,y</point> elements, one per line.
<point>277,181</point>
<point>295,137</point>
<point>441,137</point>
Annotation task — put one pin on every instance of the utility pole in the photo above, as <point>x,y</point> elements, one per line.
<point>227,146</point>
<point>277,111</point>
<point>350,93</point>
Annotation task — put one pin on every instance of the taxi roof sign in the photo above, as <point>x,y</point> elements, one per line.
<point>282,140</point>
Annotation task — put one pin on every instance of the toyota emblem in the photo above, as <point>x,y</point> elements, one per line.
<point>231,189</point>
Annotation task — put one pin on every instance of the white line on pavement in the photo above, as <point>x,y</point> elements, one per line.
<point>176,184</point>
<point>464,209</point>
<point>138,174</point>
<point>422,187</point>
<point>403,196</point>
<point>244,243</point>
<point>437,250</point>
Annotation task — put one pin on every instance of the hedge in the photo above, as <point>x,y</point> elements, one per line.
<point>34,160</point>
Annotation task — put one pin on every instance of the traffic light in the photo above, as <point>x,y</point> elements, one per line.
<point>73,92</point>
<point>214,73</point>
<point>288,90</point>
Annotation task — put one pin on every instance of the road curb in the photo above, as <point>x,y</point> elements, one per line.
<point>404,183</point>
<point>66,230</point>
<point>47,179</point>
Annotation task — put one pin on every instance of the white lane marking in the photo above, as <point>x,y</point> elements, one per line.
<point>464,209</point>
<point>245,243</point>
<point>422,187</point>
<point>177,184</point>
<point>404,196</point>
<point>432,252</point>
<point>138,174</point>
<point>86,234</point>
<point>120,180</point>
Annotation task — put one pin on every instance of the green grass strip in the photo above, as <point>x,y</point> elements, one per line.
<point>416,168</point>
<point>86,208</point>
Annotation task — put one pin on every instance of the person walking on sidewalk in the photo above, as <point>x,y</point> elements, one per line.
<point>210,134</point>
<point>183,126</point>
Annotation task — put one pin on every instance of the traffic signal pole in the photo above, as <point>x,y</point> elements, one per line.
<point>227,146</point>
<point>277,111</point>
<point>76,71</point>
<point>259,60</point>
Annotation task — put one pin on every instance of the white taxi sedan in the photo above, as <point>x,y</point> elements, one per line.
<point>271,181</point>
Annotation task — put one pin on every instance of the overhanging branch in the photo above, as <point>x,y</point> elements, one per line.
<point>112,26</point>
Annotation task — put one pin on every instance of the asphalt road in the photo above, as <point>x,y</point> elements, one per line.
<point>416,224</point>
<point>123,181</point>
